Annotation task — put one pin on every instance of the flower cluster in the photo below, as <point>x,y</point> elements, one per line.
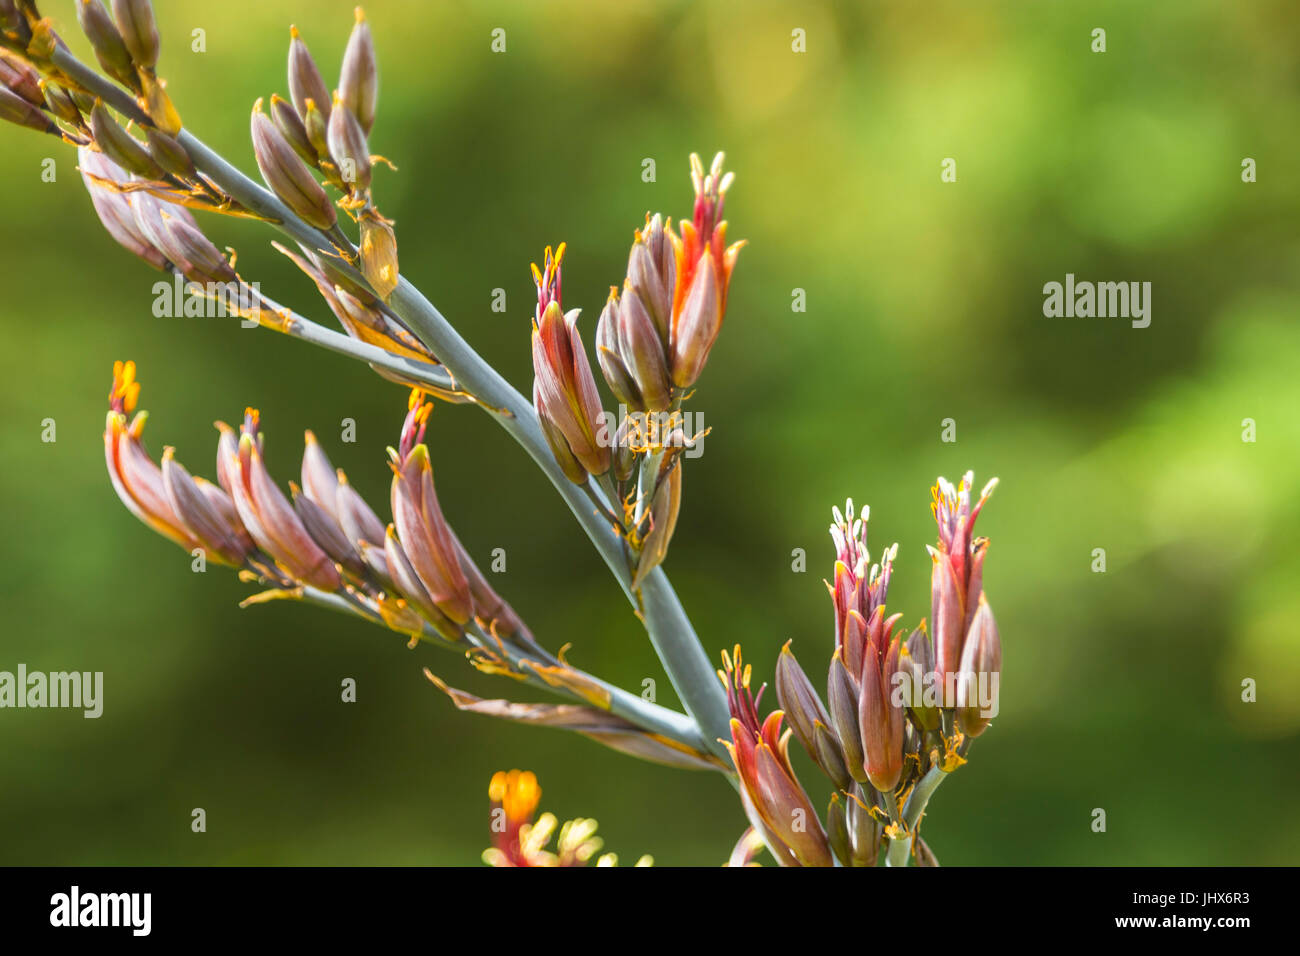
<point>900,709</point>
<point>143,181</point>
<point>897,708</point>
<point>652,341</point>
<point>324,543</point>
<point>413,574</point>
<point>520,840</point>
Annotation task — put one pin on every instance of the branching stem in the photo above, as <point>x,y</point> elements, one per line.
<point>669,629</point>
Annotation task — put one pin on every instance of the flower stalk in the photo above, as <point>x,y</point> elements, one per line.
<point>670,632</point>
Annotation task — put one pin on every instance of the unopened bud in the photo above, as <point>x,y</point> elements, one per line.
<point>135,24</point>
<point>15,109</point>
<point>120,146</point>
<point>289,123</point>
<point>643,353</point>
<point>325,531</point>
<point>305,81</point>
<point>981,668</point>
<point>359,78</point>
<point>697,325</point>
<point>170,154</point>
<point>842,707</point>
<point>347,145</point>
<point>317,126</point>
<point>609,355</point>
<point>106,41</point>
<point>559,445</point>
<point>60,103</point>
<point>21,79</point>
<point>115,209</point>
<point>287,175</point>
<point>652,271</point>
<point>359,521</point>
<point>916,660</point>
<point>837,831</point>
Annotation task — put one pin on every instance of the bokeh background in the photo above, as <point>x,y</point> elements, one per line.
<point>1121,690</point>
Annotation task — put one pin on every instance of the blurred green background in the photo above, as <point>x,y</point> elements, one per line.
<point>1121,690</point>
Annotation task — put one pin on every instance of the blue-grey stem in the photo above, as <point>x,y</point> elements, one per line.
<point>643,713</point>
<point>670,631</point>
<point>900,849</point>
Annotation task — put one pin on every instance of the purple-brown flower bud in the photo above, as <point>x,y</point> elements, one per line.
<point>136,479</point>
<point>779,807</point>
<point>115,209</point>
<point>20,79</point>
<point>316,123</point>
<point>171,230</point>
<point>609,355</point>
<point>958,573</point>
<point>808,718</point>
<point>347,143</point>
<point>555,439</point>
<point>412,589</point>
<point>879,717</point>
<point>945,615</point>
<point>61,104</point>
<point>305,81</point>
<point>139,32</point>
<point>170,154</point>
<point>916,660</point>
<point>13,22</point>
<point>120,146</point>
<point>192,251</point>
<point>643,353</point>
<point>865,833</point>
<point>497,616</point>
<point>425,538</point>
<point>704,264</point>
<point>563,379</point>
<point>208,524</point>
<point>325,531</point>
<point>287,175</point>
<point>320,480</point>
<point>842,698</point>
<point>268,515</point>
<point>837,831</point>
<point>107,43</point>
<point>359,521</point>
<point>981,672</point>
<point>652,273</point>
<point>289,123</point>
<point>359,76</point>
